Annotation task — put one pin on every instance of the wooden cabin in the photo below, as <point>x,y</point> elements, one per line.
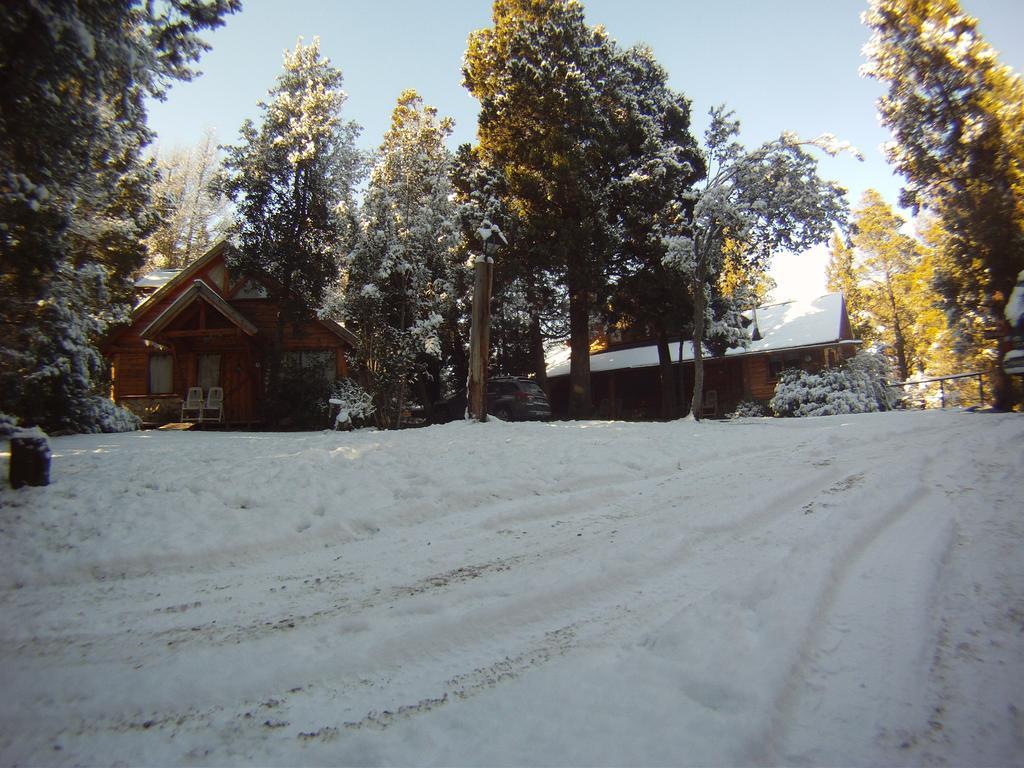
<point>625,378</point>
<point>201,328</point>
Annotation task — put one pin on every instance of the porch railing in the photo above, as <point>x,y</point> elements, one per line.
<point>979,375</point>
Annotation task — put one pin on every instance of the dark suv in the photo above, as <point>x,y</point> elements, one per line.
<point>517,398</point>
<point>509,398</point>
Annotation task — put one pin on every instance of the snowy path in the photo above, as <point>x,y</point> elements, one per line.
<point>763,592</point>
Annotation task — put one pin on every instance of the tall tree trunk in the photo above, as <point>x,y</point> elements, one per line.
<point>699,304</point>
<point>899,340</point>
<point>668,376</point>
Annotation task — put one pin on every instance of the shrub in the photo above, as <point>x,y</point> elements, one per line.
<point>749,409</point>
<point>356,403</point>
<point>857,387</point>
<point>102,415</point>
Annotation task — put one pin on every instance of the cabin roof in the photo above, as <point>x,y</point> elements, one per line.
<point>198,290</point>
<point>171,280</point>
<point>158,278</point>
<point>178,278</point>
<point>787,326</point>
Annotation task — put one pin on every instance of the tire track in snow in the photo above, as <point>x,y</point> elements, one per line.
<point>844,628</point>
<point>606,605</point>
<point>600,607</point>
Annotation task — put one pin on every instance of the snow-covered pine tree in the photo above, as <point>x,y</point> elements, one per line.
<point>292,180</point>
<point>74,189</point>
<point>552,124</point>
<point>752,204</point>
<point>527,302</point>
<point>591,143</point>
<point>842,275</point>
<point>652,195</point>
<point>400,276</point>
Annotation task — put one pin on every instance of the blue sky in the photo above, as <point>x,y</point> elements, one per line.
<point>784,65</point>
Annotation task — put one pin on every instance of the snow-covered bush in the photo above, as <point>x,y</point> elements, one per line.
<point>872,374</point>
<point>51,373</point>
<point>101,415</point>
<point>749,409</point>
<point>857,387</point>
<point>355,404</point>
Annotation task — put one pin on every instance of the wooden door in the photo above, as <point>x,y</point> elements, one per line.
<point>240,381</point>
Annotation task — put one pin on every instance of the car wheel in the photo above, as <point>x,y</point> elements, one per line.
<point>502,414</point>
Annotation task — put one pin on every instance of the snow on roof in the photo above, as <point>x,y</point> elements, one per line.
<point>790,325</point>
<point>158,278</point>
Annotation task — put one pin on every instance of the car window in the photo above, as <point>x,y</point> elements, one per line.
<point>531,387</point>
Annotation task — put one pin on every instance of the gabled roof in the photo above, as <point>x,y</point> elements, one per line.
<point>790,325</point>
<point>182,277</point>
<point>339,330</point>
<point>198,290</point>
<point>175,281</point>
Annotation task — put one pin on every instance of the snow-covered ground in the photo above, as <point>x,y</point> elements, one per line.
<point>840,590</point>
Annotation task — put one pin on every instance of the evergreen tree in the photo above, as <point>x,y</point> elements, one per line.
<point>752,204</point>
<point>957,121</point>
<point>292,181</point>
<point>651,195</point>
<point>887,264</point>
<point>843,275</point>
<point>74,192</point>
<point>402,273</point>
<point>582,133</point>
<point>542,77</point>
<point>527,299</point>
<point>193,214</point>
<point>951,344</point>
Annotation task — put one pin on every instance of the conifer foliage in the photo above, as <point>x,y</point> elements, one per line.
<point>402,273</point>
<point>74,189</point>
<point>887,264</point>
<point>292,179</point>
<point>957,121</point>
<point>588,139</point>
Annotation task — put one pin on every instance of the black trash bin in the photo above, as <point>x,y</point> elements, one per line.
<point>30,459</point>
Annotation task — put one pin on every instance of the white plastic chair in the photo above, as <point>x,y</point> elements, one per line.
<point>192,405</point>
<point>214,408</point>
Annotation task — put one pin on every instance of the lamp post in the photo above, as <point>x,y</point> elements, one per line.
<point>480,331</point>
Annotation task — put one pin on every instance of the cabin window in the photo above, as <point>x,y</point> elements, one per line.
<point>779,363</point>
<point>161,374</point>
<point>251,290</point>
<point>831,357</point>
<point>208,371</point>
<point>314,362</point>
